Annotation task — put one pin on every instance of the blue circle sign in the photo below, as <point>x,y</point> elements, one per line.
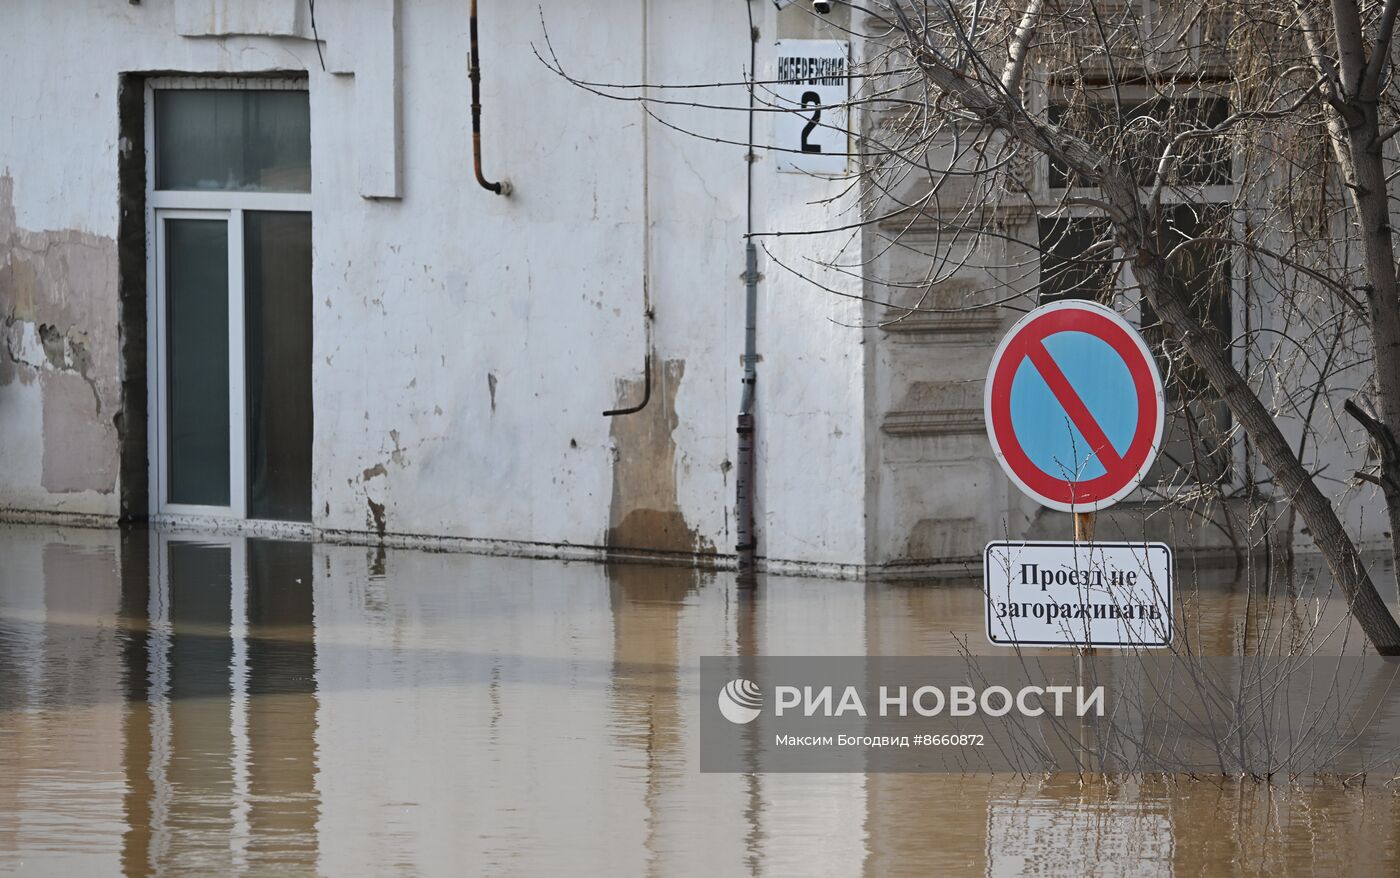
<point>1074,406</point>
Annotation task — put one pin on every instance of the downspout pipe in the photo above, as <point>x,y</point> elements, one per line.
<point>750,327</point>
<point>474,74</point>
<point>747,544</point>
<point>744,483</point>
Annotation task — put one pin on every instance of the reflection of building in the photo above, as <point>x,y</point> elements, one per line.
<point>277,708</point>
<point>168,716</point>
<point>465,719</point>
<point>226,733</point>
<point>284,802</point>
<point>647,605</point>
<point>61,700</point>
<point>915,822</point>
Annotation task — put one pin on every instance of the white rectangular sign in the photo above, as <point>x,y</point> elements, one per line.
<point>811,80</point>
<point>1078,594</point>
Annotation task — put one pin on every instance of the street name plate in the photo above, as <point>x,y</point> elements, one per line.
<point>812,85</point>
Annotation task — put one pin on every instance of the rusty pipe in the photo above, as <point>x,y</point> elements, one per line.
<point>646,392</point>
<point>474,74</point>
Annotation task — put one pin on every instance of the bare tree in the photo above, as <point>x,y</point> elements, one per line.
<point>1134,107</point>
<point>1165,150</point>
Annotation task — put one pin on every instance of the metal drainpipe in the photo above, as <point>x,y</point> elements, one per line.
<point>744,471</point>
<point>474,74</point>
<point>744,475</point>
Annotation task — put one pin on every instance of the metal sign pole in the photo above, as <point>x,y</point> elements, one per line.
<point>1084,527</point>
<point>1084,533</point>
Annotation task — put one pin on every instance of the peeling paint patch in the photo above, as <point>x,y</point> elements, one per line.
<point>376,470</point>
<point>645,511</point>
<point>39,347</point>
<point>376,516</point>
<point>78,451</point>
<point>23,347</point>
<point>397,455</point>
<point>58,326</point>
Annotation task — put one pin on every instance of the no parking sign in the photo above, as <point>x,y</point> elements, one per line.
<point>1075,411</point>
<point>1074,406</point>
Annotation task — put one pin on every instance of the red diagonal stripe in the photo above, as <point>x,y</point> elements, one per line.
<point>1078,412</point>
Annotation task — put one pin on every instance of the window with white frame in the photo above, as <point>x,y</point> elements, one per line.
<point>229,208</point>
<point>1078,259</point>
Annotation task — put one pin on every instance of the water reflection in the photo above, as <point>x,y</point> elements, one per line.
<point>180,705</point>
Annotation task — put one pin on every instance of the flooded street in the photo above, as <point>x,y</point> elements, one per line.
<point>180,704</point>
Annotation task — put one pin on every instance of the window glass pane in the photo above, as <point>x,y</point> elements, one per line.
<point>1196,448</point>
<point>1196,444</point>
<point>1202,276</point>
<point>196,293</point>
<point>1137,132</point>
<point>249,140</point>
<point>1206,161</point>
<point>277,302</point>
<point>1066,272</point>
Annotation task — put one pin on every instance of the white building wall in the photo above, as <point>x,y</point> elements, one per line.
<point>465,345</point>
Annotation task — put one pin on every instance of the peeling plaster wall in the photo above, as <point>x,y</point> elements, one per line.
<point>465,345</point>
<point>58,360</point>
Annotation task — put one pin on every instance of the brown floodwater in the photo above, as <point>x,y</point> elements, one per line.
<point>178,704</point>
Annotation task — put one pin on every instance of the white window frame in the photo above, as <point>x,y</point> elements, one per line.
<point>228,206</point>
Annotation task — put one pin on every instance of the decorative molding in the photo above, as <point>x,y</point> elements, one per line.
<point>942,537</point>
<point>946,297</point>
<point>984,321</point>
<point>936,408</point>
<point>950,422</point>
<point>930,222</point>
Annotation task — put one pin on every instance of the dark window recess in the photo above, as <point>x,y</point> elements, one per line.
<point>277,316</point>
<point>1138,133</point>
<point>255,140</point>
<point>282,644</point>
<point>1196,442</point>
<point>1196,446</point>
<point>1066,272</point>
<point>1201,273</point>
